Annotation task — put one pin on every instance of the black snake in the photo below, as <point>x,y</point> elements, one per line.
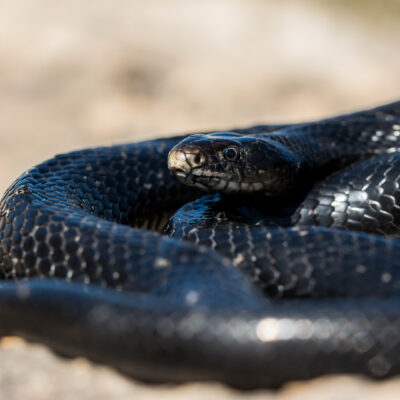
<point>282,294</point>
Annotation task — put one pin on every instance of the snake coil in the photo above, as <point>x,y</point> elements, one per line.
<point>249,290</point>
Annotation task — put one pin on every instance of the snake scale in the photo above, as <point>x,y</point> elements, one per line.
<point>252,289</point>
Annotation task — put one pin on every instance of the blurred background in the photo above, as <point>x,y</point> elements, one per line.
<point>83,73</point>
<point>87,73</point>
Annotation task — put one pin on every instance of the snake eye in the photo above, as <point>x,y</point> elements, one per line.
<point>231,153</point>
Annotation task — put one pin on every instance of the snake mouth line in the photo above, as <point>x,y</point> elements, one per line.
<point>218,183</point>
<point>189,179</point>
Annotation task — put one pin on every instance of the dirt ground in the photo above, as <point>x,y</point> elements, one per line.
<point>75,74</point>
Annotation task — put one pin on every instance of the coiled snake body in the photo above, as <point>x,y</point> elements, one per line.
<point>282,293</point>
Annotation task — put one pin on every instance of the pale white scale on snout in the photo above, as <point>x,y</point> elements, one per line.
<point>177,162</point>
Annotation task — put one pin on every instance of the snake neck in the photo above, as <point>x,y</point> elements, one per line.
<point>333,144</point>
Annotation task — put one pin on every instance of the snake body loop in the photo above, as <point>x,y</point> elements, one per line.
<point>252,290</point>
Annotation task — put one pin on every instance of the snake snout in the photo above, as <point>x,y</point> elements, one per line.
<point>183,162</point>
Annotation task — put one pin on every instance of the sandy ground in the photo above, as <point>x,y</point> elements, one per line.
<point>76,74</point>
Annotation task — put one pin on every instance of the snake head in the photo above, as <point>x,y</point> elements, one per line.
<point>233,163</point>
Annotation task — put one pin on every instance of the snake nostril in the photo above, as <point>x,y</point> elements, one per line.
<point>198,159</point>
